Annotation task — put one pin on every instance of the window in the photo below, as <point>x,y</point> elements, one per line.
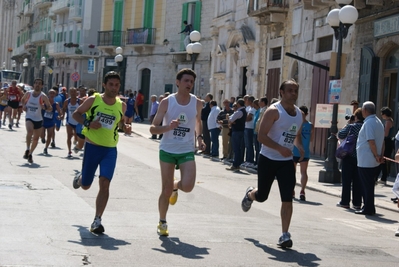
<point>325,44</point>
<point>192,13</point>
<point>275,53</point>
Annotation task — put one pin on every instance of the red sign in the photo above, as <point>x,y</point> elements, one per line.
<point>75,77</point>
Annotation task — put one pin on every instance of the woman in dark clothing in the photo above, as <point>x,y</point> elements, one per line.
<point>386,114</point>
<point>350,177</point>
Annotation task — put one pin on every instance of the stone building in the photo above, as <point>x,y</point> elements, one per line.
<point>8,22</point>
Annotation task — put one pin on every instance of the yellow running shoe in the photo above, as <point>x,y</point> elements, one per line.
<point>162,229</point>
<point>173,197</point>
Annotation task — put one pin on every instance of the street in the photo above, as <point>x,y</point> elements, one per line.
<point>45,222</point>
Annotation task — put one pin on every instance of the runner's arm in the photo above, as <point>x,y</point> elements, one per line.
<point>82,109</point>
<point>47,103</point>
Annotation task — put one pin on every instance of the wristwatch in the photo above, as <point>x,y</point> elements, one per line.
<point>86,123</point>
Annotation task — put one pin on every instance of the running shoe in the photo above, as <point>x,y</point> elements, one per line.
<point>43,140</point>
<point>285,240</point>
<point>397,232</point>
<point>246,202</point>
<point>233,169</point>
<point>76,150</point>
<point>162,229</point>
<point>173,197</point>
<point>30,159</point>
<point>69,155</point>
<point>10,126</point>
<point>45,151</point>
<point>75,183</point>
<point>302,196</point>
<point>26,154</point>
<point>53,144</point>
<point>17,125</point>
<point>96,227</point>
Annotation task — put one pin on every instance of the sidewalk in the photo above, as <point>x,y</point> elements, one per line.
<point>383,194</point>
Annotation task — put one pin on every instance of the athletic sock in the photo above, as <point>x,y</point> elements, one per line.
<point>162,221</point>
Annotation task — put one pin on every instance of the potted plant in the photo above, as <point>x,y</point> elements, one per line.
<point>75,45</point>
<point>91,46</point>
<point>78,51</point>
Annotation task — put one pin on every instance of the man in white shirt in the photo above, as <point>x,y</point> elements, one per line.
<point>214,129</point>
<point>249,132</point>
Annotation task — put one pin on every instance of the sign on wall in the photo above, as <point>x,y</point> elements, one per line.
<point>324,115</point>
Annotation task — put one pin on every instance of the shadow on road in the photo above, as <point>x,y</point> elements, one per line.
<point>89,239</point>
<point>288,255</point>
<point>173,245</point>
<point>307,202</point>
<point>378,218</point>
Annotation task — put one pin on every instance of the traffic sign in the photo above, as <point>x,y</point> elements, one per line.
<point>334,91</point>
<point>75,77</point>
<point>324,115</point>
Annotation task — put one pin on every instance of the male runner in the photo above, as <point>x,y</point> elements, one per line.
<point>70,105</point>
<point>49,119</point>
<point>32,103</point>
<point>14,96</point>
<point>104,111</point>
<point>277,133</point>
<point>181,115</point>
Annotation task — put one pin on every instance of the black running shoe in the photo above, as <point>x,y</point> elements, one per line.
<point>30,160</point>
<point>26,154</point>
<point>52,144</point>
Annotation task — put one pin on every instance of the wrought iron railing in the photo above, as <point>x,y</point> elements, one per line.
<point>111,38</point>
<point>140,36</point>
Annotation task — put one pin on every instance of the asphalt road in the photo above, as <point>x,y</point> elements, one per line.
<point>44,221</point>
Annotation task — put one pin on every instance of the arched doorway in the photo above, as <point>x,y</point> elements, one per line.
<point>390,84</point>
<point>145,87</point>
<point>368,76</point>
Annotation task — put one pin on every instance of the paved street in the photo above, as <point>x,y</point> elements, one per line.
<point>44,221</point>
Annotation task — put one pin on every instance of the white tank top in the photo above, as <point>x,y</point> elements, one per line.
<point>182,139</point>
<point>71,109</point>
<point>283,132</point>
<point>34,107</point>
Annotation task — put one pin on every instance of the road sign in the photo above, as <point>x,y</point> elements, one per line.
<point>75,77</point>
<point>50,70</point>
<point>324,115</point>
<point>334,91</point>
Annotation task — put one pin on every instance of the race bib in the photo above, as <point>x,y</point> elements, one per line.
<point>48,115</point>
<point>288,137</point>
<point>13,97</point>
<point>180,132</point>
<point>107,121</point>
<point>31,109</point>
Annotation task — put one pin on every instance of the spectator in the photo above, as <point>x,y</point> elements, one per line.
<point>350,176</point>
<point>237,124</point>
<point>204,118</point>
<point>249,132</point>
<point>223,120</point>
<point>187,30</point>
<point>154,109</point>
<point>139,105</point>
<point>255,134</point>
<point>386,114</point>
<point>232,101</point>
<point>214,129</point>
<point>262,109</point>
<point>370,151</point>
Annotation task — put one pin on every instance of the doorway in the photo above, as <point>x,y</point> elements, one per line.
<point>145,87</point>
<point>243,90</point>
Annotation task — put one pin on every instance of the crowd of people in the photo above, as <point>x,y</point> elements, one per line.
<point>269,139</point>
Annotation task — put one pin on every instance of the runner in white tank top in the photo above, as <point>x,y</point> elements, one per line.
<point>279,128</point>
<point>181,116</point>
<point>33,102</point>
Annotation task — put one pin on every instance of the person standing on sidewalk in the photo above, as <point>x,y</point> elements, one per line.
<point>223,120</point>
<point>249,132</point>
<point>32,103</point>
<point>214,129</point>
<point>350,175</point>
<point>181,116</point>
<point>307,137</point>
<point>204,118</point>
<point>104,112</point>
<point>280,128</point>
<point>370,154</point>
<point>154,109</point>
<point>386,114</point>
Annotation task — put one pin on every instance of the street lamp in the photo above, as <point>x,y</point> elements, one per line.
<point>43,64</point>
<point>25,65</point>
<point>13,64</point>
<point>119,57</point>
<point>4,65</point>
<point>340,19</point>
<point>194,48</point>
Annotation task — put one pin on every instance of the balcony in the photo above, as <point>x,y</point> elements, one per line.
<point>75,13</point>
<point>42,3</point>
<point>57,49</point>
<point>263,8</point>
<point>141,39</point>
<point>28,10</point>
<point>18,51</point>
<point>111,38</point>
<point>41,37</point>
<point>83,51</point>
<point>60,6</point>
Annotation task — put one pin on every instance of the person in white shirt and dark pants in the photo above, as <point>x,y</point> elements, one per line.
<point>214,128</point>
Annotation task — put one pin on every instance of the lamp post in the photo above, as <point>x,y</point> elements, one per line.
<point>119,57</point>
<point>43,64</point>
<point>340,19</point>
<point>4,65</point>
<point>13,64</point>
<point>25,65</point>
<point>194,48</point>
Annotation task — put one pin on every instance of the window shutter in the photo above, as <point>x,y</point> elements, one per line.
<point>197,19</point>
<point>184,16</point>
<point>148,13</point>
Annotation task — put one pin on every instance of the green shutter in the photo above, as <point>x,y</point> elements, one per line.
<point>70,37</point>
<point>197,18</point>
<point>39,52</point>
<point>148,18</point>
<point>118,21</point>
<point>184,16</point>
<point>78,37</point>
